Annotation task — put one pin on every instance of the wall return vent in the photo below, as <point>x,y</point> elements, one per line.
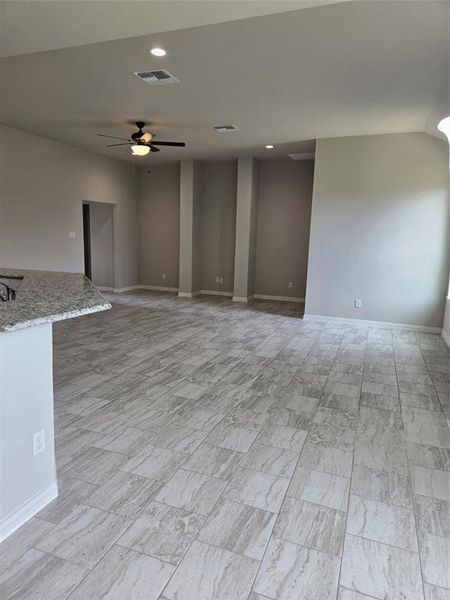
<point>302,156</point>
<point>157,77</point>
<point>226,128</point>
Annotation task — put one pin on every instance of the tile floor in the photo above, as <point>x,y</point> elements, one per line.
<point>214,451</point>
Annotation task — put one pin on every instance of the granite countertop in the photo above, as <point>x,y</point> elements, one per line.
<point>48,296</point>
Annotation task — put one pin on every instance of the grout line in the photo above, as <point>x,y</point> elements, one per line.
<point>353,463</point>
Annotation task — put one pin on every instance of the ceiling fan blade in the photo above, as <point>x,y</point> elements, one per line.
<point>154,148</point>
<point>113,137</point>
<point>125,144</point>
<point>179,144</point>
<point>147,137</point>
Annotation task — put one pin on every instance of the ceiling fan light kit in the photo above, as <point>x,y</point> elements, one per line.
<point>141,142</point>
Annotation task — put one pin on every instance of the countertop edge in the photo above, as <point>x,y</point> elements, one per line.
<point>56,317</point>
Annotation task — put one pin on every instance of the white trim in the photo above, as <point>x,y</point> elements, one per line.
<point>188,294</point>
<point>242,298</point>
<point>216,293</point>
<point>158,288</point>
<point>367,323</point>
<point>21,515</point>
<point>446,337</point>
<point>130,288</point>
<point>104,289</point>
<point>280,298</point>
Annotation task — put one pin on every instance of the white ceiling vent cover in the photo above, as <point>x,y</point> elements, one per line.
<point>302,156</point>
<point>157,77</point>
<point>226,128</point>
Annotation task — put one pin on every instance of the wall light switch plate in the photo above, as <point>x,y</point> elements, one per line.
<point>163,276</point>
<point>358,303</point>
<point>72,234</point>
<point>290,284</point>
<point>38,442</point>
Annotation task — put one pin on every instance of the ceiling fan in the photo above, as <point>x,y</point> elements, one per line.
<point>141,142</point>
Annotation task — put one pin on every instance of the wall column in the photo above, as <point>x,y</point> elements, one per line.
<point>246,210</point>
<point>190,229</point>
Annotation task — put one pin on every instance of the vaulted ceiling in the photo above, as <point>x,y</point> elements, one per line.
<point>298,74</point>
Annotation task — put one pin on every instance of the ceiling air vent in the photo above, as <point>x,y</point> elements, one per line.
<point>158,77</point>
<point>302,156</point>
<point>226,128</point>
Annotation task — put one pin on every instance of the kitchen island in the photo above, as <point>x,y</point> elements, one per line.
<point>34,300</point>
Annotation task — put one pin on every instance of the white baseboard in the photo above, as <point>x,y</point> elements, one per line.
<point>189,294</point>
<point>216,293</point>
<point>24,513</point>
<point>279,298</point>
<point>242,298</point>
<point>158,288</point>
<point>446,337</point>
<point>130,288</point>
<point>367,323</point>
<point>104,289</point>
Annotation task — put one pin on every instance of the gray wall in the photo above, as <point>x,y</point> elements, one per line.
<point>197,227</point>
<point>42,187</point>
<point>282,232</point>
<point>379,229</point>
<point>102,244</point>
<point>219,225</point>
<point>159,225</point>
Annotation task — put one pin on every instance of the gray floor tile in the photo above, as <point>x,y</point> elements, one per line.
<point>238,528</point>
<point>288,569</point>
<point>257,489</point>
<point>238,437</point>
<point>390,488</point>
<point>380,571</point>
<point>123,573</point>
<point>433,592</point>
<point>430,482</point>
<point>270,459</point>
<point>155,463</point>
<point>125,494</point>
<point>214,461</point>
<point>323,457</point>
<point>207,572</point>
<point>319,487</point>
<point>381,522</point>
<point>39,575</point>
<point>435,559</point>
<point>311,525</point>
<point>287,438</point>
<point>164,532</point>
<point>84,536</point>
<point>192,491</point>
<point>22,540</point>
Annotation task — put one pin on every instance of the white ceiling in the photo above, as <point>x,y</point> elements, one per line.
<point>350,68</point>
<point>28,26</point>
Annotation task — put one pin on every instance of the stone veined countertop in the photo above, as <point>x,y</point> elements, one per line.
<point>48,296</point>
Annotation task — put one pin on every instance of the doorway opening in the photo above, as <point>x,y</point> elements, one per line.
<point>98,236</point>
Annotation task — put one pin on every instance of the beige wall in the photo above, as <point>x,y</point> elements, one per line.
<point>159,225</point>
<point>282,232</point>
<point>42,187</point>
<point>219,225</point>
<point>102,243</point>
<point>379,229</point>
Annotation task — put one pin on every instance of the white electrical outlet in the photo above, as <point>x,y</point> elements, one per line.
<point>163,276</point>
<point>72,234</point>
<point>358,303</point>
<point>290,284</point>
<point>219,279</point>
<point>38,442</point>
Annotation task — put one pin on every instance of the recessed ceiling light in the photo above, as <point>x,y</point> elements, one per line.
<point>269,146</point>
<point>158,52</point>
